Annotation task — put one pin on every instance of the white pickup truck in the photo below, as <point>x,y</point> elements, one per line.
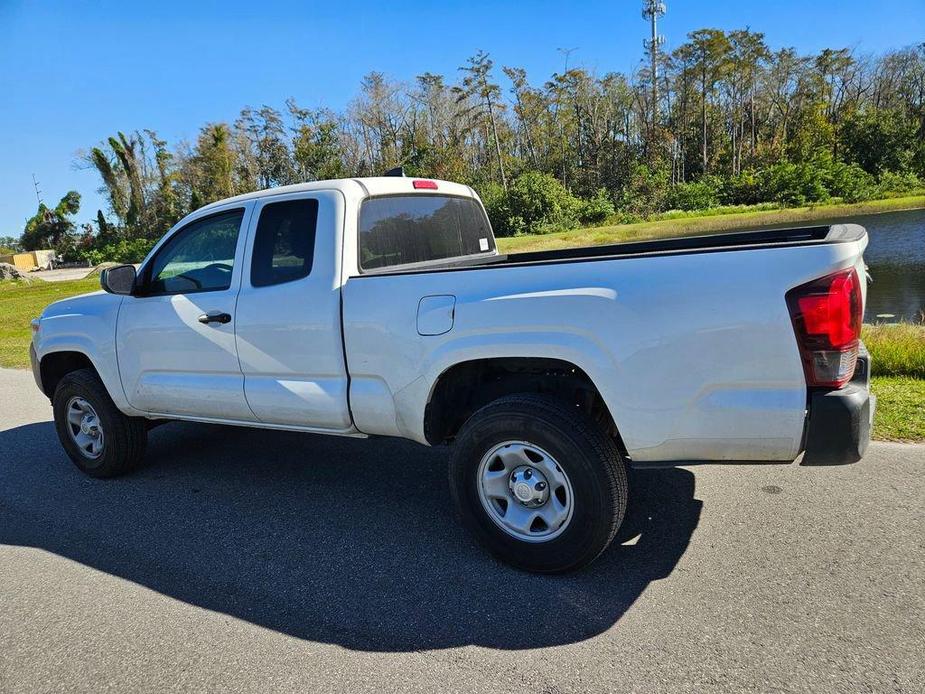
<point>381,307</point>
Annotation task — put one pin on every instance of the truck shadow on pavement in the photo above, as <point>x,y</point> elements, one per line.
<point>332,540</point>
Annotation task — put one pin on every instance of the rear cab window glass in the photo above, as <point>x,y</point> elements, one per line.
<point>284,243</point>
<point>404,229</point>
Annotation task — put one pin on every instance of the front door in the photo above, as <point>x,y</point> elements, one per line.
<point>175,338</point>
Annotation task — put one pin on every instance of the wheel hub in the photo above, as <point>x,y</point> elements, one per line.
<point>84,426</point>
<point>525,491</point>
<point>88,426</point>
<point>529,486</point>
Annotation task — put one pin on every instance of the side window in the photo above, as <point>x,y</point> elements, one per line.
<point>284,243</point>
<point>199,257</point>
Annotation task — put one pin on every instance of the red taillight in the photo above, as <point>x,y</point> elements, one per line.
<point>425,185</point>
<point>826,316</point>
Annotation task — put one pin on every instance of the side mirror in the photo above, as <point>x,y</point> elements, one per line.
<point>119,279</point>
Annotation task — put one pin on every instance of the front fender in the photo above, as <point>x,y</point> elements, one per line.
<point>85,325</point>
<point>104,364</point>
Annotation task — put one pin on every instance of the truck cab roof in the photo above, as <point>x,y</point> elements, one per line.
<point>370,186</point>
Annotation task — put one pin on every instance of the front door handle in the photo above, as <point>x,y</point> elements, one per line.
<point>215,317</point>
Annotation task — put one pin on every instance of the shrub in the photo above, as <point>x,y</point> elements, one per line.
<point>122,251</point>
<point>495,201</point>
<point>893,182</point>
<point>543,203</point>
<point>792,184</point>
<point>698,195</point>
<point>646,192</point>
<point>67,250</point>
<point>597,209</point>
<point>536,203</point>
<point>742,189</point>
<point>849,182</point>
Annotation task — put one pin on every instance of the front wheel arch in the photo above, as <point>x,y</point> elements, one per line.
<point>56,365</point>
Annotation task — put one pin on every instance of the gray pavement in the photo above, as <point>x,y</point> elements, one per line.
<point>251,561</point>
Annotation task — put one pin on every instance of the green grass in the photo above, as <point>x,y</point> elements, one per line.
<point>900,414</point>
<point>703,222</point>
<point>897,351</point>
<point>20,303</point>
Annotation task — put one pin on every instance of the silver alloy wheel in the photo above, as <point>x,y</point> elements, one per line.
<point>525,491</point>
<point>85,427</point>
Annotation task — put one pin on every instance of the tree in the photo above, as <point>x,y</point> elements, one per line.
<point>52,227</point>
<point>737,124</point>
<point>880,140</point>
<point>316,144</point>
<point>139,179</point>
<point>380,122</point>
<point>708,53</point>
<point>487,96</point>
<point>124,150</point>
<point>837,73</point>
<point>523,95</point>
<point>747,53</point>
<point>786,90</point>
<point>211,167</point>
<point>265,155</point>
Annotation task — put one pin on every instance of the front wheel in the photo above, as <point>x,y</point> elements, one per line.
<point>538,483</point>
<point>96,436</point>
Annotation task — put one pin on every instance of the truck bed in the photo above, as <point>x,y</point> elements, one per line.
<point>708,243</point>
<point>690,338</point>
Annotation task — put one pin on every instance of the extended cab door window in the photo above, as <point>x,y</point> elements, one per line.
<point>199,257</point>
<point>284,243</point>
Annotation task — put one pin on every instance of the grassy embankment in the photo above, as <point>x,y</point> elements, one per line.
<point>898,351</point>
<point>898,355</point>
<point>20,303</point>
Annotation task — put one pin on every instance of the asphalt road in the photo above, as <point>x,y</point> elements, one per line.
<point>250,561</point>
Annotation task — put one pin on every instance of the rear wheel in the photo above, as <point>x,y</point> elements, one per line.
<point>96,436</point>
<point>538,483</point>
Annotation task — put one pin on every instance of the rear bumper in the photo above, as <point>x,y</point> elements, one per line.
<point>839,421</point>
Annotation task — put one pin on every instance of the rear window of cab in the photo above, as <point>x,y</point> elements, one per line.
<point>399,230</point>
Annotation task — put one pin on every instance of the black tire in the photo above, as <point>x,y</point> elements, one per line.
<point>589,458</point>
<point>124,439</point>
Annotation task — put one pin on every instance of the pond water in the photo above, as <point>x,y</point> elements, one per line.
<point>895,256</point>
<point>896,259</point>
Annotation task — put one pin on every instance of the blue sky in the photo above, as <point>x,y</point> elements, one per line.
<point>74,73</point>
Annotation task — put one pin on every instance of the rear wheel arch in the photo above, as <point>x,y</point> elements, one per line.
<point>466,386</point>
